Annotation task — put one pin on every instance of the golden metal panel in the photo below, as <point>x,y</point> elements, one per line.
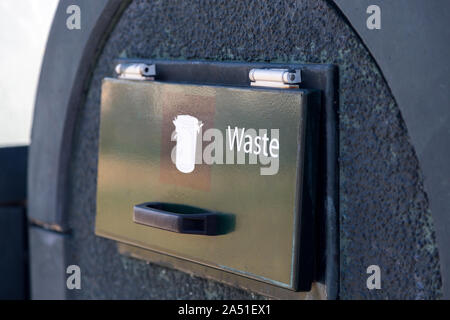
<point>135,167</point>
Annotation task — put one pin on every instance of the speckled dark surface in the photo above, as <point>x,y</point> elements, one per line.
<point>384,212</point>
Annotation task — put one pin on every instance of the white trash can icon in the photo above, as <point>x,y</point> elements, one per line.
<point>186,131</point>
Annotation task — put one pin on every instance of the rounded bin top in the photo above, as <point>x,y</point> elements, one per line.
<point>187,121</point>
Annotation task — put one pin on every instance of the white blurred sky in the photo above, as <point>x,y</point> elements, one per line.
<point>24,27</point>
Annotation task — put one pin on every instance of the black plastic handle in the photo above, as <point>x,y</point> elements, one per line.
<point>182,218</point>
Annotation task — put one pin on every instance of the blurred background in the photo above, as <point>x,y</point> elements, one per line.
<point>24,29</point>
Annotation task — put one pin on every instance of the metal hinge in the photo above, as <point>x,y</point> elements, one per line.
<point>275,78</point>
<point>136,71</point>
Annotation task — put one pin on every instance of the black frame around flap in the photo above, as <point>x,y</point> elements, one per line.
<point>323,77</point>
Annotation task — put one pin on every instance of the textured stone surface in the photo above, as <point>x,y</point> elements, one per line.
<point>384,212</point>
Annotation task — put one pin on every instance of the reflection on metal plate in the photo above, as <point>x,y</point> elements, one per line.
<point>248,149</point>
